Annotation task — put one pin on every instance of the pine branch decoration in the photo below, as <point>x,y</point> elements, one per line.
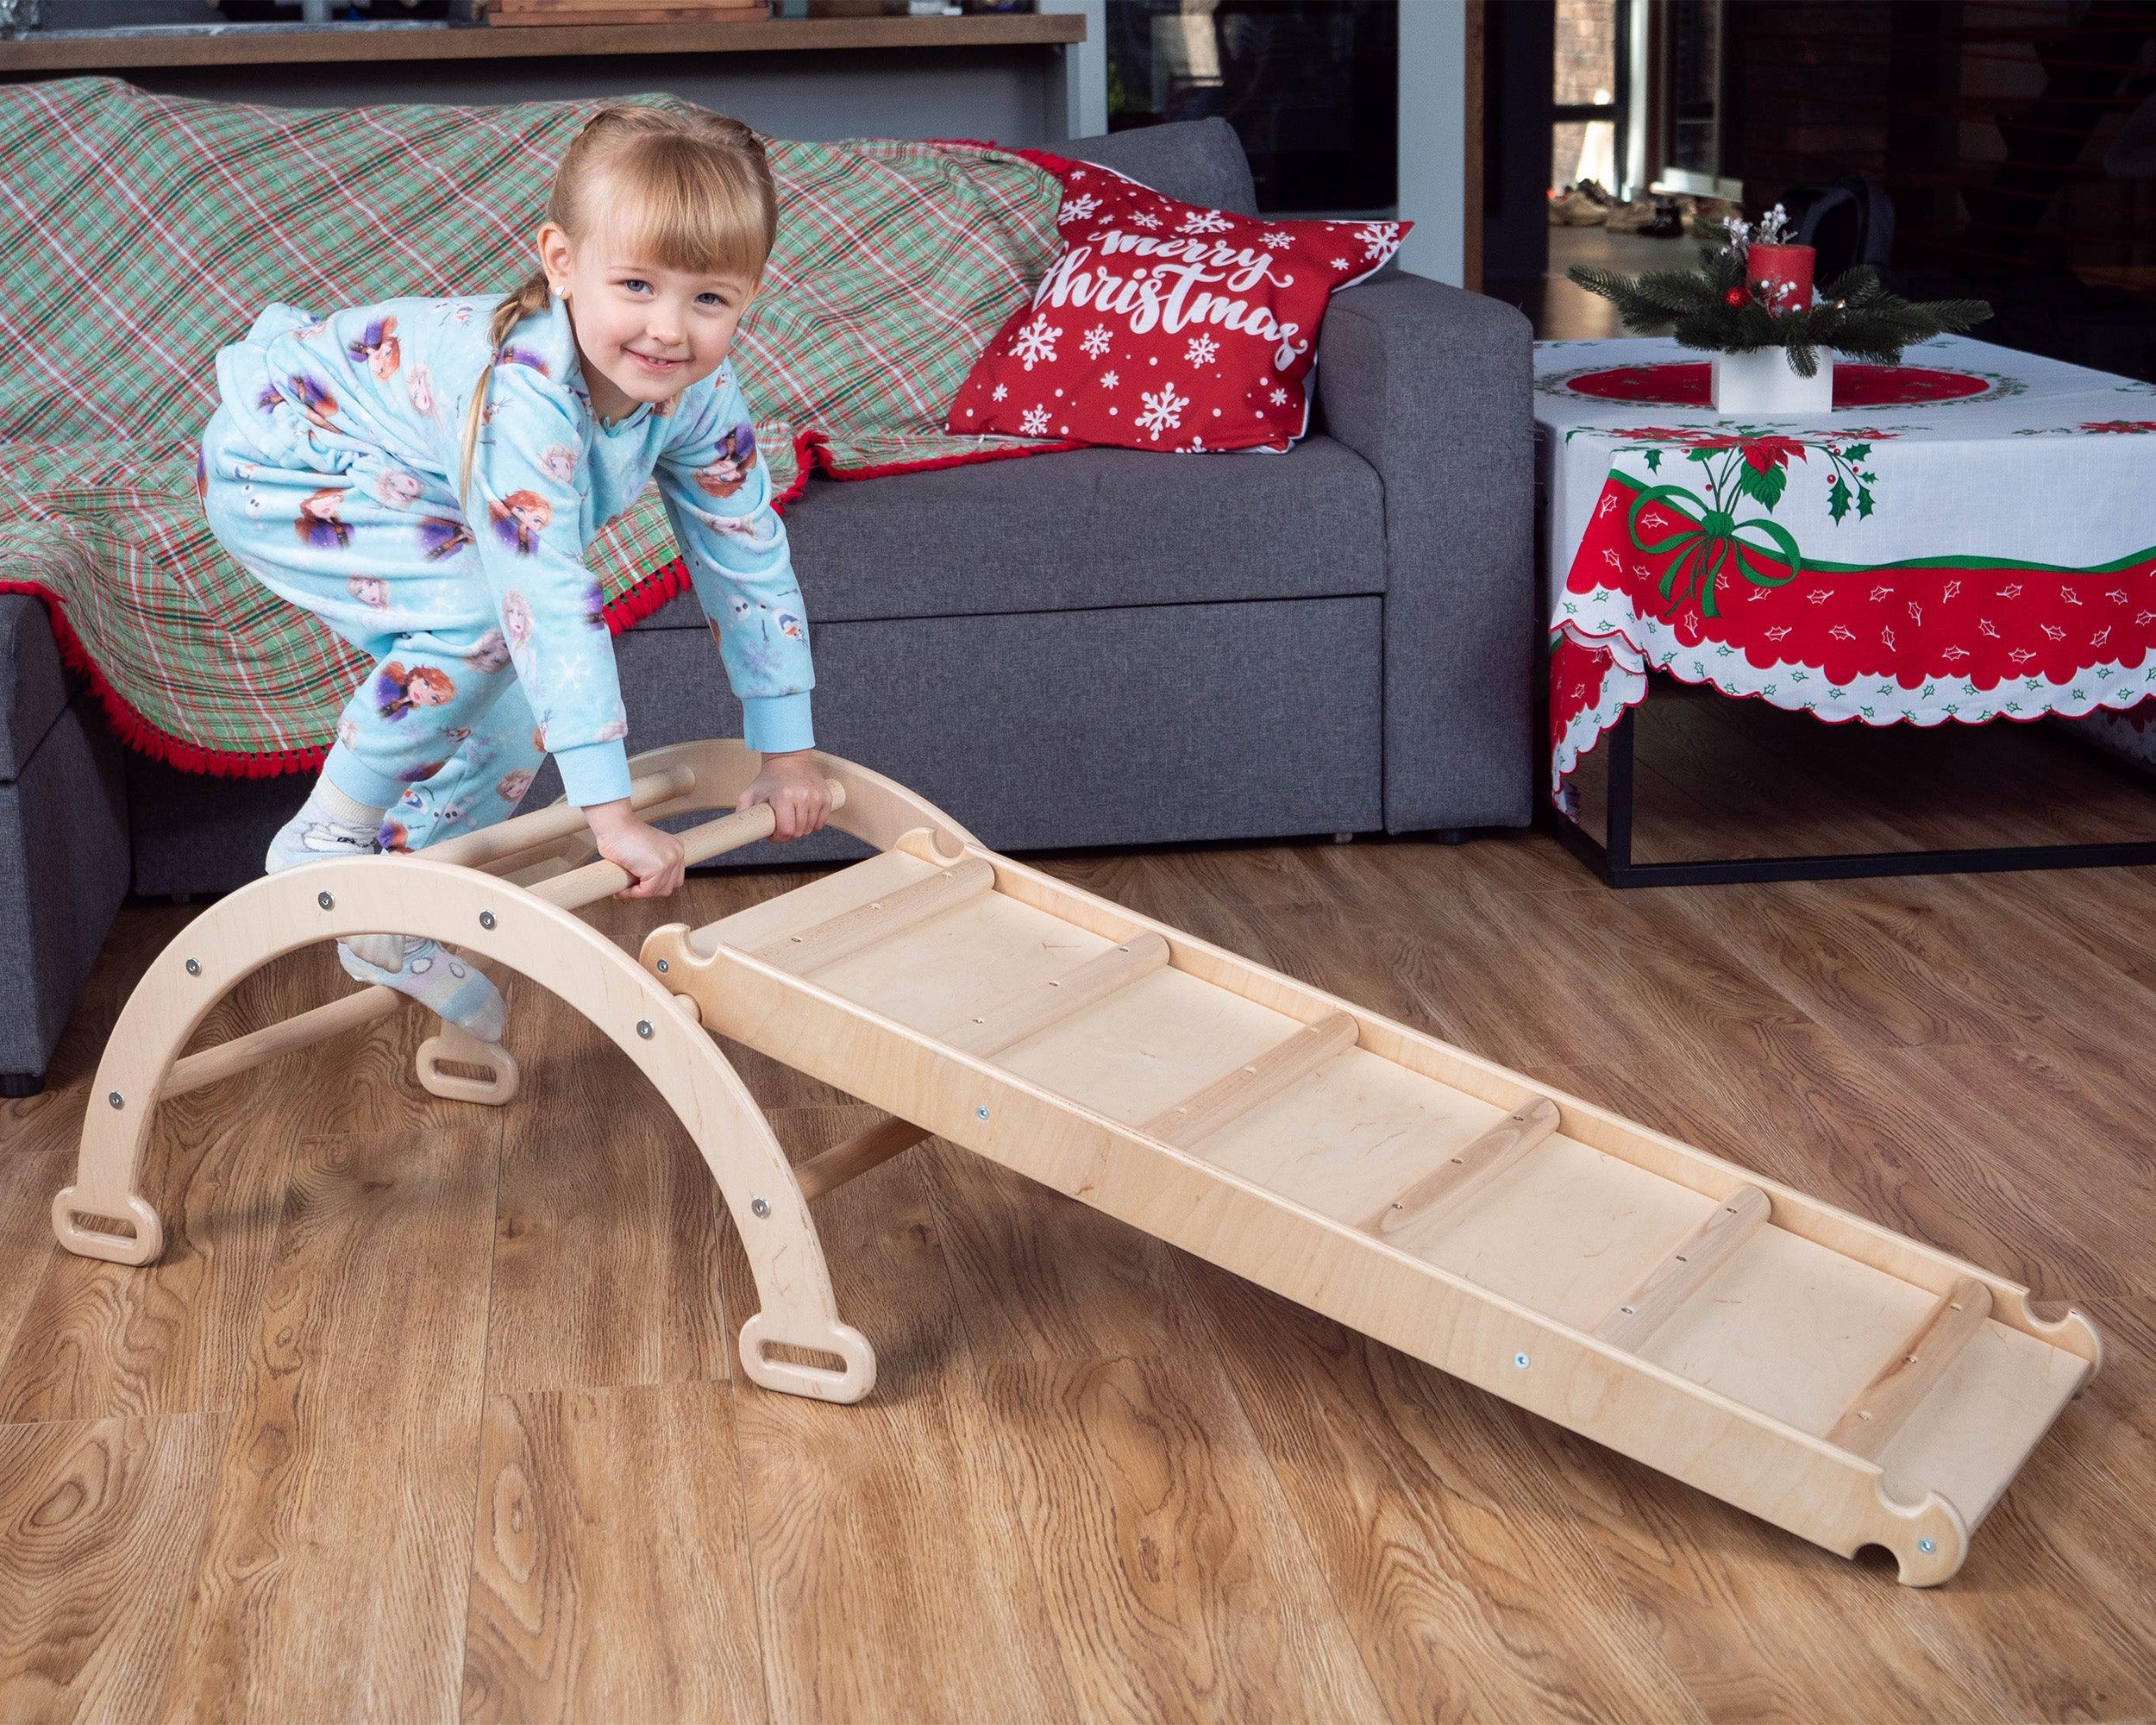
<point>1856,315</point>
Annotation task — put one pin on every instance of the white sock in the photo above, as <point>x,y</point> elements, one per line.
<point>437,978</point>
<point>330,824</point>
<point>334,803</point>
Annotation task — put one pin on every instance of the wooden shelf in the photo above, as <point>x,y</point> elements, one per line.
<point>288,45</point>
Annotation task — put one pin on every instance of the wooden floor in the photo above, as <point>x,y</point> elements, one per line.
<point>428,1413</point>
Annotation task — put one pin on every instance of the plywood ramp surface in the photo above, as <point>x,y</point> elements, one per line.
<point>1814,1368</point>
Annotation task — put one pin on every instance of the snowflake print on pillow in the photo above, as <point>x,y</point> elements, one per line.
<point>1166,326</point>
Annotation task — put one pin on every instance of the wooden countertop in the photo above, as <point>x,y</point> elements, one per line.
<point>290,45</point>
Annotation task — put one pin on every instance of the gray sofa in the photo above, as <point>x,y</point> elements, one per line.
<point>1105,647</point>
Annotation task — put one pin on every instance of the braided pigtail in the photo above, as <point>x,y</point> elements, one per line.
<point>533,294</point>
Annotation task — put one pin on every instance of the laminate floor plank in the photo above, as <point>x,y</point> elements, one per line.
<point>1520,979</point>
<point>1176,1586</point>
<point>341,1517</point>
<point>102,1523</point>
<point>1442,1535</point>
<point>1039,1277</point>
<point>1916,961</point>
<point>98,1340</point>
<point>608,1223</point>
<point>600,1509</point>
<point>890,1579</point>
<point>37,1158</point>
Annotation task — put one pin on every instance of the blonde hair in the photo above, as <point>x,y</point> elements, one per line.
<point>688,190</point>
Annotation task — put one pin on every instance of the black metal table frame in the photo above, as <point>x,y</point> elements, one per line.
<point>1612,862</point>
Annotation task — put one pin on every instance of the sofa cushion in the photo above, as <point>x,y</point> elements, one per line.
<point>1081,531</point>
<point>1166,325</point>
<point>1200,161</point>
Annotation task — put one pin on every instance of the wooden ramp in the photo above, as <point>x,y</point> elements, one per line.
<point>1837,1379</point>
<point>1833,1377</point>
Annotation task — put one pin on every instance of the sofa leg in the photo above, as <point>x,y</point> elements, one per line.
<point>21,1083</point>
<point>1450,835</point>
<point>1343,838</point>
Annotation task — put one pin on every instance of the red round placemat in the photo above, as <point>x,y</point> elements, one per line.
<point>1856,385</point>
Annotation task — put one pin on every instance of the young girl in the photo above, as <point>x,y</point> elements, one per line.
<point>425,475</point>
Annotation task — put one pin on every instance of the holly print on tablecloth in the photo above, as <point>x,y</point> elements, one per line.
<point>1703,538</point>
<point>1915,626</point>
<point>1916,642</point>
<point>2090,428</point>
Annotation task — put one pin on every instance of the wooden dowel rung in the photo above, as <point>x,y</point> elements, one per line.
<point>602,880</point>
<point>1013,1019</point>
<point>1889,1400</point>
<point>1685,1270</point>
<point>835,937</point>
<point>1424,1206</point>
<point>852,1157</point>
<point>526,833</point>
<point>222,1060</point>
<point>1264,1075</point>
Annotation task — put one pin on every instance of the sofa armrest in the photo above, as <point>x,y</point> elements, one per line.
<point>64,857</point>
<point>1433,387</point>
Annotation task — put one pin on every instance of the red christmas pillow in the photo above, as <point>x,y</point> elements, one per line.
<point>1166,326</point>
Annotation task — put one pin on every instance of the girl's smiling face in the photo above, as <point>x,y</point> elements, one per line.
<point>644,332</point>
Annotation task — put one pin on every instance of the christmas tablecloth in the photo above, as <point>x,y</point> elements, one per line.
<point>1969,536</point>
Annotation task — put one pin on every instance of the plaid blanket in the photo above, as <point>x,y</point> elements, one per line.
<point>143,232</point>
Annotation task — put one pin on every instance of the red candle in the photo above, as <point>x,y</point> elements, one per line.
<point>1781,276</point>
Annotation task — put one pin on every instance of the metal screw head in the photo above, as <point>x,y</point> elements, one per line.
<point>325,901</point>
<point>761,1206</point>
<point>194,967</point>
<point>643,1029</point>
<point>1924,1546</point>
<point>981,1112</point>
<point>487,918</point>
<point>663,967</point>
<point>1521,1361</point>
<point>117,1099</point>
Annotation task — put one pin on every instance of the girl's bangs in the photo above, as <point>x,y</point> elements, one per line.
<point>692,215</point>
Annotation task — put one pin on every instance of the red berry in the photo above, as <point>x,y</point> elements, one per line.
<point>1736,296</point>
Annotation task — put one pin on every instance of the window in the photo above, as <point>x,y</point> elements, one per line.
<point>1586,136</point>
<point>1312,87</point>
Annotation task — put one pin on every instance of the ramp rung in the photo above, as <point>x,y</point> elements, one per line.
<point>1266,1075</point>
<point>839,936</point>
<point>1887,1402</point>
<point>851,1158</point>
<point>1013,1019</point>
<point>1685,1270</point>
<point>1443,1191</point>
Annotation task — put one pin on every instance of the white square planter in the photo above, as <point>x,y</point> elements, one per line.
<point>1763,385</point>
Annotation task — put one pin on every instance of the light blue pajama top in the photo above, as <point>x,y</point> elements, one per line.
<point>394,381</point>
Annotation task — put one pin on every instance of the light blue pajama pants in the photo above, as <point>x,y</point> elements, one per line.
<point>439,732</point>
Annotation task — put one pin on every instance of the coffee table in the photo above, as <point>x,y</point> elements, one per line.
<point>1969,536</point>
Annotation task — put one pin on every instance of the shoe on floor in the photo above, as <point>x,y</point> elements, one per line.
<point>1667,224</point>
<point>1570,210</point>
